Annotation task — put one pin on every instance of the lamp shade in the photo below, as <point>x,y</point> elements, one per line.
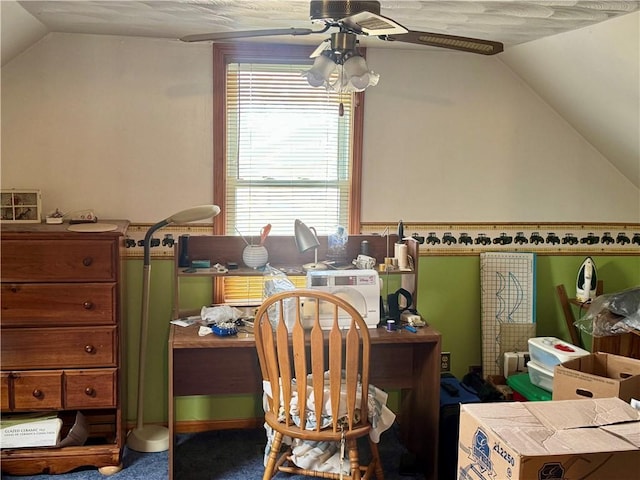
<point>306,238</point>
<point>193,214</point>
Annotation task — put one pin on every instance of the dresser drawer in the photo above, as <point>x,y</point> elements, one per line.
<point>90,388</point>
<point>37,390</point>
<point>27,348</point>
<point>56,304</point>
<point>63,260</point>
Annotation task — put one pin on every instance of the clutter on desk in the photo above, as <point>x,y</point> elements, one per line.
<point>398,302</point>
<point>360,288</point>
<point>220,314</point>
<point>255,256</point>
<point>264,233</point>
<point>187,321</point>
<point>364,262</point>
<point>337,246</point>
<point>277,281</point>
<point>222,329</point>
<point>222,320</point>
<point>612,314</point>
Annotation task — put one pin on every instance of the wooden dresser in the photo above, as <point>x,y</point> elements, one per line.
<point>62,340</point>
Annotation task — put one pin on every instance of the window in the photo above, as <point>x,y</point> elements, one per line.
<point>282,150</point>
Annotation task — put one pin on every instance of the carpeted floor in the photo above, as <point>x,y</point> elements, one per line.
<point>220,455</point>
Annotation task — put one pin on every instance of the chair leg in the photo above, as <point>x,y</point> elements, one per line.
<point>375,458</point>
<point>354,462</point>
<point>269,469</point>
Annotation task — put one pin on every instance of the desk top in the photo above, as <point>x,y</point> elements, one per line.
<point>187,337</point>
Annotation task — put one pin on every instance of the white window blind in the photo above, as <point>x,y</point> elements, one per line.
<point>288,151</point>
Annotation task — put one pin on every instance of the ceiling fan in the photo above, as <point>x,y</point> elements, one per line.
<point>359,17</point>
<point>338,65</point>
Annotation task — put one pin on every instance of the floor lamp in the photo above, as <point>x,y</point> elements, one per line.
<point>155,438</point>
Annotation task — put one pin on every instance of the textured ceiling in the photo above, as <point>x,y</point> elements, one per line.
<point>511,22</point>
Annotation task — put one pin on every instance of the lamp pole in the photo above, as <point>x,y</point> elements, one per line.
<point>155,438</point>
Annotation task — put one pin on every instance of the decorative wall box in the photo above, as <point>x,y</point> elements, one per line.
<point>20,206</point>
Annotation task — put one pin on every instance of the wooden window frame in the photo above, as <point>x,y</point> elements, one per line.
<point>223,54</point>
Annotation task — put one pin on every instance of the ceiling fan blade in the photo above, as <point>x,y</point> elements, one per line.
<point>465,44</point>
<point>373,24</point>
<point>203,37</point>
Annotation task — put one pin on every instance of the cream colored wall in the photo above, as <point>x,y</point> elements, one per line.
<point>123,125</point>
<point>592,78</point>
<point>457,137</point>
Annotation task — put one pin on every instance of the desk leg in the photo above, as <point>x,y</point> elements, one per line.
<point>420,409</point>
<point>171,415</point>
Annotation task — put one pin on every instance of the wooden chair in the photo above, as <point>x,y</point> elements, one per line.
<point>341,352</point>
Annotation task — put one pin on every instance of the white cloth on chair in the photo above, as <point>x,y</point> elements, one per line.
<point>325,456</point>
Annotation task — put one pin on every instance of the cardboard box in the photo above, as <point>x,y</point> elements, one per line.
<point>556,440</point>
<point>598,375</point>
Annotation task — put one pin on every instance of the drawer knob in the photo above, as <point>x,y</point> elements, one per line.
<point>87,305</point>
<point>89,349</point>
<point>86,261</point>
<point>14,289</point>
<point>90,392</point>
<point>38,393</point>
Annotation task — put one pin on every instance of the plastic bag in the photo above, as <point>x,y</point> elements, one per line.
<point>612,314</point>
<point>219,314</point>
<point>277,281</point>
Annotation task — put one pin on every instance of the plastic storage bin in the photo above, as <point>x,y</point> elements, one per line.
<point>524,390</point>
<point>551,351</point>
<point>540,376</point>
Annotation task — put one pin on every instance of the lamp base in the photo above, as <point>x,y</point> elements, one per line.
<point>314,266</point>
<point>150,438</point>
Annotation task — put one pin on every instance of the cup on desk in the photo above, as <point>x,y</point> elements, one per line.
<point>255,256</point>
<point>364,262</point>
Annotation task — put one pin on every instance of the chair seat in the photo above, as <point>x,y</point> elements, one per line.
<point>325,434</point>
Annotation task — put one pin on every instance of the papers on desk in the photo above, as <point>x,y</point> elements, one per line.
<point>187,321</point>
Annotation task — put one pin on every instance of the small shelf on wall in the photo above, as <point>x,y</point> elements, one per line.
<point>20,206</point>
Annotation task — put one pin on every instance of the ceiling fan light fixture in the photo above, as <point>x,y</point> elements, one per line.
<point>322,69</point>
<point>341,68</point>
<point>357,74</point>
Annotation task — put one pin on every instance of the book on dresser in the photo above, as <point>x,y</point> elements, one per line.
<point>30,430</point>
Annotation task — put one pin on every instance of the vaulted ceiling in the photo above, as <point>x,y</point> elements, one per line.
<point>528,29</point>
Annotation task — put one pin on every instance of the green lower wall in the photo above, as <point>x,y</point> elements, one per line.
<point>449,299</point>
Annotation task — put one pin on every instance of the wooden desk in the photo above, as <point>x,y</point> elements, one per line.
<point>399,360</point>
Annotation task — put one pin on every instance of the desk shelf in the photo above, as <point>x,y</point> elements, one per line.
<point>283,255</point>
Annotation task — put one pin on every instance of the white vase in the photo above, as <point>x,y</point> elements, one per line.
<point>255,256</point>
